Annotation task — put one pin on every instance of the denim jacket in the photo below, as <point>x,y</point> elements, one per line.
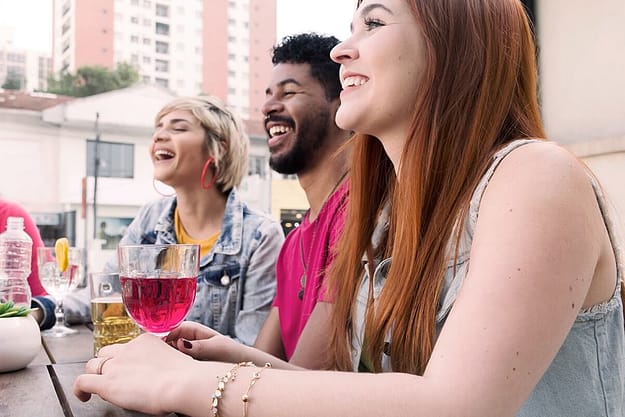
<point>236,284</point>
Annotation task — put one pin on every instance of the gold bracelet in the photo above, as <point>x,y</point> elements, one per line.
<point>255,377</point>
<point>231,375</point>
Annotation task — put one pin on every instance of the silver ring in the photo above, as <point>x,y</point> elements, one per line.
<point>98,371</point>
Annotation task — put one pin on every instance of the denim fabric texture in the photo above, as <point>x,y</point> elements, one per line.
<point>587,376</point>
<point>236,284</point>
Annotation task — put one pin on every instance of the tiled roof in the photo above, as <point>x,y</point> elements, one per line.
<point>13,99</point>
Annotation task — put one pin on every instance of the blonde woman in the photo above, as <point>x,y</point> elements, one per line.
<point>199,149</point>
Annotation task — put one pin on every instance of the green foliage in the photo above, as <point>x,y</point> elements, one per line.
<point>90,80</point>
<point>14,81</point>
<point>9,310</point>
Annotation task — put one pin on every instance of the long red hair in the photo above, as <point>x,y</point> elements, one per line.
<point>478,92</point>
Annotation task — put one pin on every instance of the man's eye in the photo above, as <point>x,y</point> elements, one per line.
<point>180,129</point>
<point>289,93</point>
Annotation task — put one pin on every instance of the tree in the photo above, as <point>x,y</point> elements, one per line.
<point>90,80</point>
<point>14,81</point>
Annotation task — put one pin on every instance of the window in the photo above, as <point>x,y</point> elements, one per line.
<point>134,39</point>
<point>162,10</point>
<point>134,19</point>
<point>116,159</point>
<point>163,82</point>
<point>162,47</point>
<point>147,41</point>
<point>162,28</point>
<point>161,65</point>
<point>290,219</point>
<point>257,165</point>
<point>147,60</point>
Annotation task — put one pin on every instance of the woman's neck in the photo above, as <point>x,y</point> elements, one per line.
<point>201,212</point>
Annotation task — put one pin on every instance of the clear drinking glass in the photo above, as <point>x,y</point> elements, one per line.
<point>111,322</point>
<point>59,284</point>
<point>158,284</point>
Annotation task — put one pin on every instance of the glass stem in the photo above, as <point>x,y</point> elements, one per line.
<point>58,312</point>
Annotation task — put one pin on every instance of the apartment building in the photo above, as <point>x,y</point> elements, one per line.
<point>30,68</point>
<point>188,46</point>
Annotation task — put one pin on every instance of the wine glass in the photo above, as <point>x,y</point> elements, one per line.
<point>59,284</point>
<point>158,284</point>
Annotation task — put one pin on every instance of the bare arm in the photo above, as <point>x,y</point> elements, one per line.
<point>310,352</point>
<point>269,338</point>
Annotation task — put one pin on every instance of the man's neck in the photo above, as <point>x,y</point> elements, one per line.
<point>323,180</point>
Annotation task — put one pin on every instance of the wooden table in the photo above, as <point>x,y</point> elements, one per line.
<point>44,387</point>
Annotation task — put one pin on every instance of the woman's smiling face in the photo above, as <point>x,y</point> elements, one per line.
<point>381,66</point>
<point>178,149</point>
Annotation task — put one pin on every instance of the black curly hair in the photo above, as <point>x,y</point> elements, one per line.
<point>312,49</point>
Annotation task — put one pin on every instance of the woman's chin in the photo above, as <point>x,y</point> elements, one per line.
<point>346,120</point>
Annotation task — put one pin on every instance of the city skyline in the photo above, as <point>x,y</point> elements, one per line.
<point>33,31</point>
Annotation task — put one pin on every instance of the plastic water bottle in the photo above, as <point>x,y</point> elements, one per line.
<point>16,249</point>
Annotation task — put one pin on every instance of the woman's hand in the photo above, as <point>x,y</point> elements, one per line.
<point>140,375</point>
<point>204,343</point>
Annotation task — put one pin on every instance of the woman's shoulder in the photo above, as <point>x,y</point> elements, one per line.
<point>261,219</point>
<point>543,172</point>
<point>153,211</point>
<point>542,160</point>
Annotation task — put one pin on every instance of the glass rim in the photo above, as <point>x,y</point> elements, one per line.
<point>159,245</point>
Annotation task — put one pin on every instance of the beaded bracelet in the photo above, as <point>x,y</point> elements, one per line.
<point>231,375</point>
<point>255,377</point>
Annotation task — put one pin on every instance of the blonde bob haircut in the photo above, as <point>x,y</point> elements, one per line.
<point>225,140</point>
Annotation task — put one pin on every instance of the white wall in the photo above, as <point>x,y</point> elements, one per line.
<point>582,68</point>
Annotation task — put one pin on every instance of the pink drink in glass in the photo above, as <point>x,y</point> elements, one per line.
<point>158,304</point>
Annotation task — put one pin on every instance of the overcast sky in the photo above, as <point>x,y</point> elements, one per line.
<point>32,21</point>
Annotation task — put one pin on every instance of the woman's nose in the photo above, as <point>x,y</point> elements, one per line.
<point>159,134</point>
<point>343,51</point>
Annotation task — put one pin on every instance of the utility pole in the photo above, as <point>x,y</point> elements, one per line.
<point>95,174</point>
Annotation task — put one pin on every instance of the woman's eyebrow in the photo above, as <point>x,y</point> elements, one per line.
<point>368,8</point>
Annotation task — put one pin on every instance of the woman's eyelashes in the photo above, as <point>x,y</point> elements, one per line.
<point>372,23</point>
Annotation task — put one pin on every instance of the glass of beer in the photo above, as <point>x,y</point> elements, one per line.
<point>111,322</point>
<point>158,284</point>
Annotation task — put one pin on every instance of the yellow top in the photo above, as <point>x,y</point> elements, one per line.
<point>182,236</point>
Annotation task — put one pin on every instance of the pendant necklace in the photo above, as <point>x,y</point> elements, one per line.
<point>302,279</point>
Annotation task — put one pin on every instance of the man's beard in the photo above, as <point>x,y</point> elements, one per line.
<point>312,133</point>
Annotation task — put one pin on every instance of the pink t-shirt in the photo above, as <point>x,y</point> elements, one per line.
<point>311,243</point>
<point>10,209</point>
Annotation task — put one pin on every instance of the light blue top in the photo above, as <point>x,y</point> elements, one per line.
<point>587,376</point>
<point>236,284</point>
